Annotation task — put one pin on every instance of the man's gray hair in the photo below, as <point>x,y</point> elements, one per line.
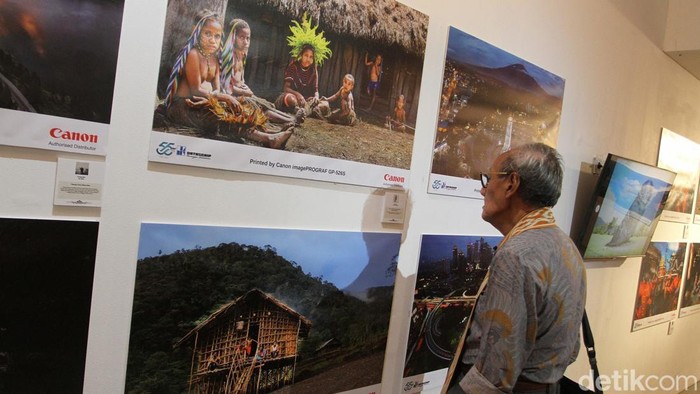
<point>541,173</point>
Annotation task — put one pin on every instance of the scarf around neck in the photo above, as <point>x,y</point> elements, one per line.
<point>539,218</point>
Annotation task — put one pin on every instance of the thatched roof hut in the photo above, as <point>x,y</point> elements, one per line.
<point>356,29</point>
<point>383,21</point>
<point>247,297</point>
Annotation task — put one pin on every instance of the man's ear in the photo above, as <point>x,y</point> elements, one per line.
<point>513,184</point>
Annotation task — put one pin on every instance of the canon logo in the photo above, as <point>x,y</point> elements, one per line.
<point>394,178</point>
<point>72,135</point>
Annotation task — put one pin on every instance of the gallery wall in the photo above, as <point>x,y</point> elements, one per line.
<point>621,89</point>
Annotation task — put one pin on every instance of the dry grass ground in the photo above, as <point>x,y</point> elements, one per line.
<point>355,374</point>
<point>365,142</point>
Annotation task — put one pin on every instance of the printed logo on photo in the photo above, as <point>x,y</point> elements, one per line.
<point>413,384</point>
<point>394,178</point>
<point>439,184</point>
<point>58,133</point>
<point>165,148</point>
<point>194,155</point>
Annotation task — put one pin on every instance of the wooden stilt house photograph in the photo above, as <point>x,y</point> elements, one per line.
<point>249,345</point>
<point>258,310</point>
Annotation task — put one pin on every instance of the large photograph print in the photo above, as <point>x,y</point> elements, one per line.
<point>254,310</point>
<point>659,284</point>
<point>690,302</point>
<point>491,101</point>
<point>696,217</point>
<point>629,211</point>
<point>291,88</point>
<point>58,61</point>
<point>46,273</point>
<point>450,271</point>
<point>682,156</point>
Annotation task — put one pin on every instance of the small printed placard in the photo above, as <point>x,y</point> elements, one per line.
<point>394,207</point>
<point>79,182</point>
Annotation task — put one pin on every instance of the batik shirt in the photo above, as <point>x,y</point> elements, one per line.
<point>528,319</point>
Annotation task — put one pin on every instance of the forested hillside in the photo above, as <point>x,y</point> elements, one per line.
<point>175,292</point>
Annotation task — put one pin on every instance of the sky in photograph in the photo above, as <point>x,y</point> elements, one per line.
<point>338,256</point>
<point>668,249</point>
<point>437,247</point>
<point>626,182</point>
<point>467,49</point>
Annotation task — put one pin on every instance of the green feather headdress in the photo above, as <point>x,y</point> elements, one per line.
<point>305,34</point>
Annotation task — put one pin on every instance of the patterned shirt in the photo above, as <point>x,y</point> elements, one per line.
<point>528,320</point>
<point>304,81</point>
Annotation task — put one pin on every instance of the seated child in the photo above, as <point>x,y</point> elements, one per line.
<point>398,121</point>
<point>344,115</point>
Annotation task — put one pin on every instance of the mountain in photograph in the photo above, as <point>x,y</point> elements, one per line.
<point>177,292</point>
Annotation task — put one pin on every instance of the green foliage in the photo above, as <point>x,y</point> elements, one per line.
<point>176,292</point>
<point>305,34</point>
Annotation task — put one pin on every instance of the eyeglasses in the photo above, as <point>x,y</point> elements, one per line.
<point>486,176</point>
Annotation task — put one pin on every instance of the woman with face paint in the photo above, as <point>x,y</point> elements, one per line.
<point>194,98</point>
<point>233,59</point>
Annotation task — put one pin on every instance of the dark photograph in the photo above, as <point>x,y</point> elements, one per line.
<point>450,271</point>
<point>59,57</point>
<point>46,273</point>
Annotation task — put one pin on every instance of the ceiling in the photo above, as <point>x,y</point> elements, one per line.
<point>690,60</point>
<point>666,23</point>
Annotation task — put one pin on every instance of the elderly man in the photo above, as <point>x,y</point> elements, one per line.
<point>525,329</point>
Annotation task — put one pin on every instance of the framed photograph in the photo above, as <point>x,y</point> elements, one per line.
<point>625,209</point>
<point>47,269</point>
<point>235,309</point>
<point>491,102</point>
<point>682,156</point>
<point>659,285</point>
<point>696,217</point>
<point>302,94</point>
<point>450,271</point>
<point>58,60</point>
<point>690,301</point>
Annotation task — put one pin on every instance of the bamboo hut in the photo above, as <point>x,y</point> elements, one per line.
<point>355,29</point>
<point>249,345</point>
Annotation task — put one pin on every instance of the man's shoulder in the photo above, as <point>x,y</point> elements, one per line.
<point>550,232</point>
<point>537,239</point>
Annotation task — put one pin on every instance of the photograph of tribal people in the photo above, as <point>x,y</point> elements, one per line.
<point>295,75</point>
<point>450,271</point>
<point>659,284</point>
<point>691,289</point>
<point>46,273</point>
<point>491,101</point>
<point>59,57</point>
<point>682,156</point>
<point>259,310</point>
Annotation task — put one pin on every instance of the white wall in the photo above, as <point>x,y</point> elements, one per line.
<point>620,90</point>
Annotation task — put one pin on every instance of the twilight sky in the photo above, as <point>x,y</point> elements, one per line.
<point>338,256</point>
